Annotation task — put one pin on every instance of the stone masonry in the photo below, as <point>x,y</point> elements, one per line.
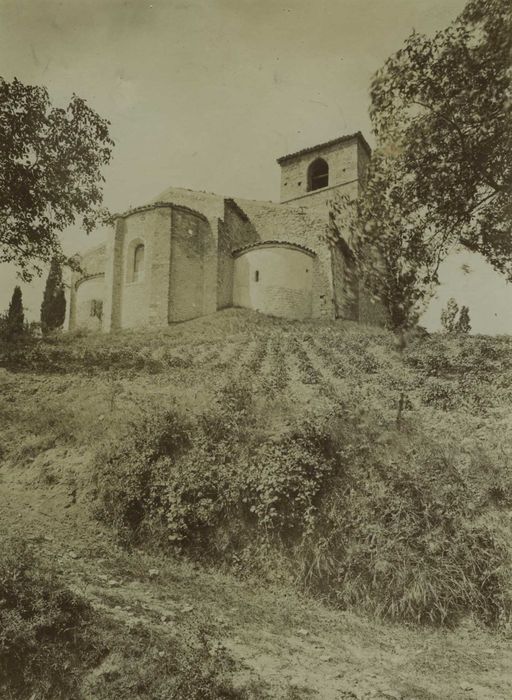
<point>176,257</point>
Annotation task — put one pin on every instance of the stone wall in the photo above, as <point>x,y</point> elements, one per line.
<point>235,230</point>
<point>189,239</point>
<point>371,312</point>
<point>345,284</point>
<point>275,279</point>
<point>362,166</point>
<point>159,265</point>
<point>176,281</point>
<point>348,163</point>
<point>144,300</point>
<point>90,292</point>
<point>92,264</point>
<point>224,267</point>
<point>210,206</point>
<point>342,159</point>
<point>190,242</point>
<point>114,277</point>
<point>275,222</point>
<point>318,202</point>
<point>210,261</point>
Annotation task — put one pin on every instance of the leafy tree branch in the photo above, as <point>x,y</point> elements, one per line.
<point>51,162</point>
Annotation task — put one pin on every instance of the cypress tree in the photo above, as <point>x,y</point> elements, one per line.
<point>15,315</point>
<point>464,323</point>
<point>53,308</point>
<point>449,316</point>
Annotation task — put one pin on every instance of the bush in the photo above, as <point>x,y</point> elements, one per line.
<point>376,519</point>
<point>47,634</point>
<point>180,481</point>
<point>285,481</point>
<point>441,393</point>
<point>130,474</point>
<point>59,353</point>
<point>482,357</point>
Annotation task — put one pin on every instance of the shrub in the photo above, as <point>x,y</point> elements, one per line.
<point>285,480</point>
<point>373,518</point>
<point>441,393</point>
<point>193,491</point>
<point>449,316</point>
<point>173,479</point>
<point>481,357</point>
<point>47,635</point>
<point>15,318</point>
<point>57,353</point>
<point>129,474</point>
<point>14,330</point>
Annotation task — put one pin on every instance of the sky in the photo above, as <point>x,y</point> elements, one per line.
<point>206,94</point>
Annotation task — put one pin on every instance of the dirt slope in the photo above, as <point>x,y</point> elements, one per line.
<point>51,420</point>
<point>277,635</point>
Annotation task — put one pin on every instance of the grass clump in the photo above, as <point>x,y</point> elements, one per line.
<point>402,534</point>
<point>146,667</point>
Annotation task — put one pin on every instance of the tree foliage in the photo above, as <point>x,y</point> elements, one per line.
<point>53,308</point>
<point>449,315</point>
<point>441,177</point>
<point>444,103</point>
<point>464,324</point>
<point>396,263</point>
<point>455,320</point>
<point>50,172</point>
<point>15,320</point>
<point>12,321</point>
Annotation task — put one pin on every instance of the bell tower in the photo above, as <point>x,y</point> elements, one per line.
<point>310,177</point>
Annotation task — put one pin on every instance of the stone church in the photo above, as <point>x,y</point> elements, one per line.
<point>188,254</point>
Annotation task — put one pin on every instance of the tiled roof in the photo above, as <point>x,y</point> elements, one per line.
<point>260,244</point>
<point>268,217</point>
<point>209,204</point>
<point>334,142</point>
<point>155,205</point>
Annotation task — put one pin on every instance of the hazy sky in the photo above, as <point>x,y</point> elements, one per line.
<point>206,94</point>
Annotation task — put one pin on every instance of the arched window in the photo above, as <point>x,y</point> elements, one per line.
<point>138,262</point>
<point>318,175</point>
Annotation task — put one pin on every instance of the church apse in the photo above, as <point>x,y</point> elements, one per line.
<point>187,254</point>
<point>191,243</point>
<point>275,278</point>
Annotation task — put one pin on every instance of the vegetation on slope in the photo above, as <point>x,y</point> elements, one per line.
<point>312,451</point>
<point>368,516</point>
<point>55,645</point>
<point>47,635</point>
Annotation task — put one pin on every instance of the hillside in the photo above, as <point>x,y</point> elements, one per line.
<point>76,406</point>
